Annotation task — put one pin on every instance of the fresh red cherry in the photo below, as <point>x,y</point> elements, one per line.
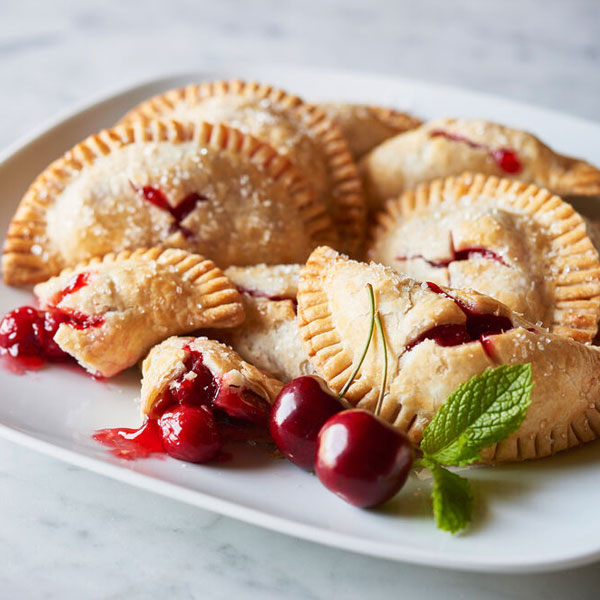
<point>361,458</point>
<point>190,433</point>
<point>300,410</point>
<point>240,403</point>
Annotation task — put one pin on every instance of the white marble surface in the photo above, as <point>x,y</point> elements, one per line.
<point>66,533</point>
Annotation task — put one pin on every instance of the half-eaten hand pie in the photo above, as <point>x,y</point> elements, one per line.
<point>121,305</point>
<point>298,130</point>
<point>451,146</point>
<point>437,339</point>
<point>365,127</point>
<point>268,337</point>
<point>504,238</point>
<point>209,189</point>
<point>188,370</point>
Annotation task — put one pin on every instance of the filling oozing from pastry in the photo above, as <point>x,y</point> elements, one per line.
<point>477,327</point>
<point>179,212</point>
<point>458,255</point>
<point>229,408</point>
<point>27,333</point>
<point>267,296</point>
<point>506,158</point>
<point>198,386</point>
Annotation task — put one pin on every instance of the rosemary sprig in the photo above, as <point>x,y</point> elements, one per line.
<point>367,344</point>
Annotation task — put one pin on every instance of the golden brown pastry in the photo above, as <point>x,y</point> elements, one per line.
<point>298,130</point>
<point>365,127</point>
<point>504,238</point>
<point>121,305</point>
<point>446,147</point>
<point>437,339</point>
<point>268,337</point>
<point>209,189</point>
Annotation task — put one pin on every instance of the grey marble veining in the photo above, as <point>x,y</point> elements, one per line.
<point>66,533</point>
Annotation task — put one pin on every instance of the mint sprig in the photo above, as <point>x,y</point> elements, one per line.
<point>479,413</point>
<point>452,497</point>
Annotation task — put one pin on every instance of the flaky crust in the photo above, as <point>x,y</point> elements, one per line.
<point>269,339</point>
<point>546,268</point>
<point>417,156</point>
<point>268,281</point>
<point>253,204</point>
<point>302,131</point>
<point>165,362</point>
<point>142,297</point>
<point>333,315</point>
<point>365,127</point>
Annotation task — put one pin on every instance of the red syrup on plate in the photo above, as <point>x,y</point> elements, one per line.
<point>506,158</point>
<point>131,444</point>
<point>478,327</point>
<point>240,415</point>
<point>179,212</point>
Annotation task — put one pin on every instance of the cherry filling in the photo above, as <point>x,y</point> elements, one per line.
<point>191,418</point>
<point>179,212</point>
<point>79,281</point>
<point>130,444</point>
<point>27,334</point>
<point>261,294</point>
<point>459,255</point>
<point>478,327</point>
<point>506,158</point>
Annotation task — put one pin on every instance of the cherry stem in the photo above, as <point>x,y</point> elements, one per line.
<point>368,343</point>
<point>385,363</point>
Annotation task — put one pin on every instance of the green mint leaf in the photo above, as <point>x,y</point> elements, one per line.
<point>480,412</point>
<point>452,498</point>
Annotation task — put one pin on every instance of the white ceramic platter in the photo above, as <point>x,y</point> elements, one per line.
<point>535,516</point>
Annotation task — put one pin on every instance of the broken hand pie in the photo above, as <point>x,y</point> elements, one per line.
<point>121,305</point>
<point>184,370</point>
<point>368,126</point>
<point>209,189</point>
<point>437,339</point>
<point>268,337</point>
<point>298,130</point>
<point>509,240</point>
<point>451,146</point>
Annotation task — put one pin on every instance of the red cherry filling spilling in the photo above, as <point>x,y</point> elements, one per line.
<point>298,413</point>
<point>131,444</point>
<point>478,327</point>
<point>459,255</point>
<point>188,428</point>
<point>362,459</point>
<point>179,212</point>
<point>506,158</point>
<point>27,334</point>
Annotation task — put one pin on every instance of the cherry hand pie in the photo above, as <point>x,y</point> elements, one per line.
<point>451,146</point>
<point>184,370</point>
<point>368,126</point>
<point>268,337</point>
<point>209,189</point>
<point>119,306</point>
<point>504,238</point>
<point>437,339</point>
<point>296,129</point>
